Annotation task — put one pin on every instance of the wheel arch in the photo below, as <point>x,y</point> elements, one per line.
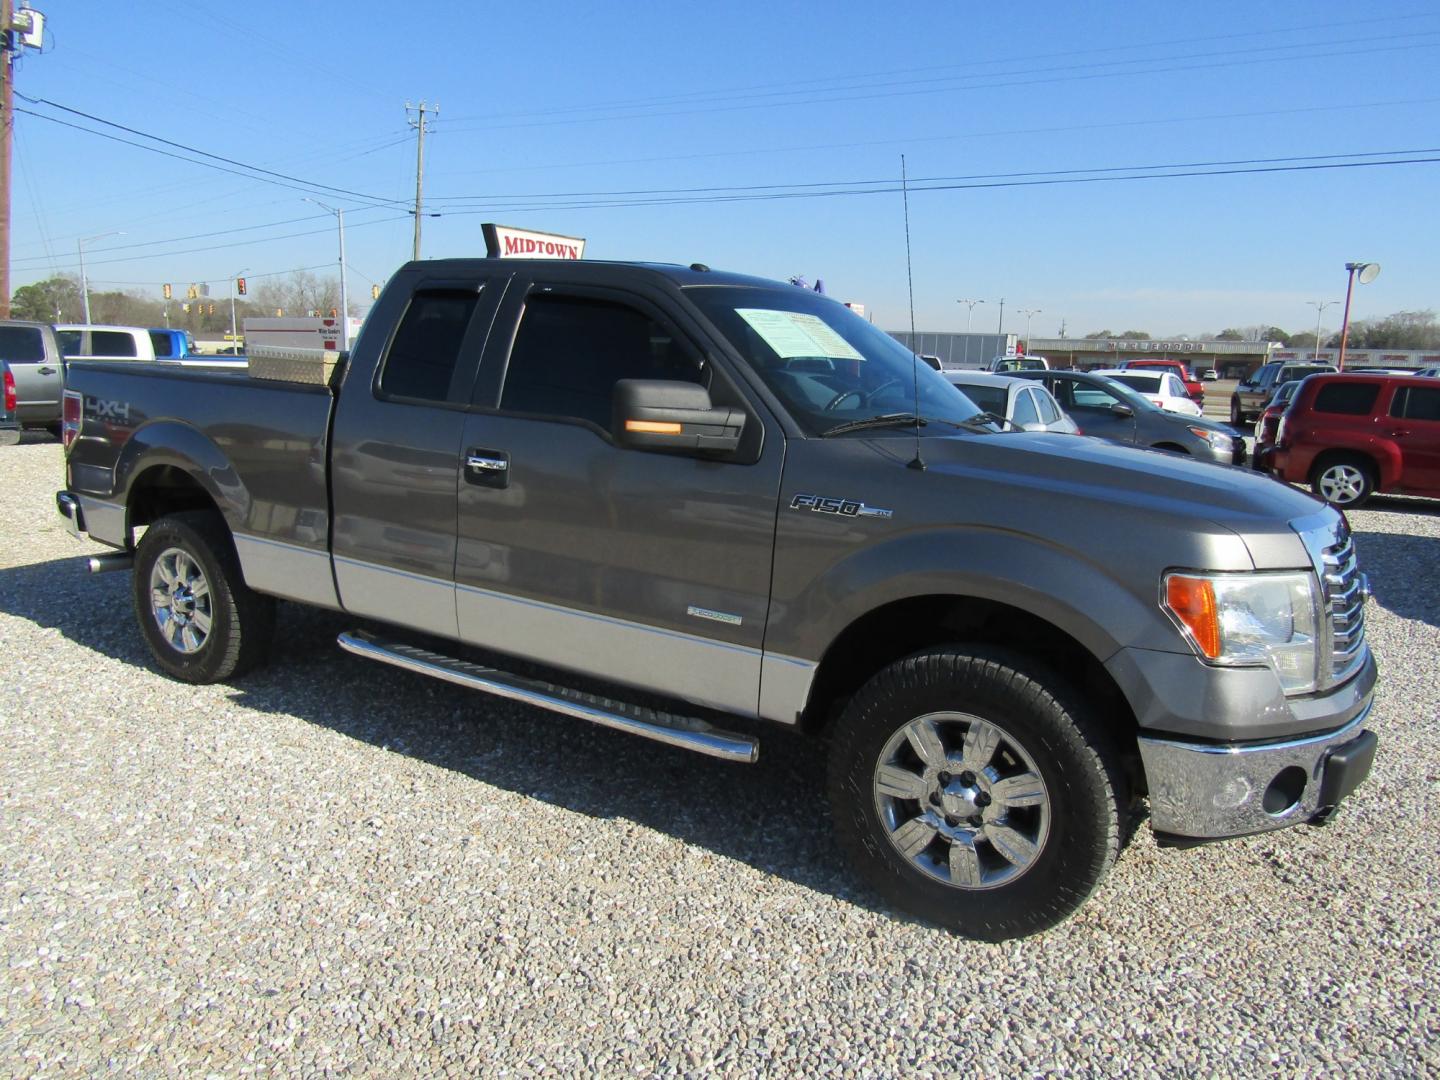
<point>168,467</point>
<point>1383,469</point>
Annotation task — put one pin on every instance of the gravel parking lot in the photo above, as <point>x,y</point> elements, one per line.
<point>331,867</point>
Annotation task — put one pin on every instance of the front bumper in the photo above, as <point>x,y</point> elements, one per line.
<point>1206,791</point>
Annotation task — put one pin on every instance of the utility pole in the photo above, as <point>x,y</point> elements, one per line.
<point>26,32</point>
<point>1000,329</point>
<point>420,128</point>
<point>7,123</point>
<point>1319,306</point>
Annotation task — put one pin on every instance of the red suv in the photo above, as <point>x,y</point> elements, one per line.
<point>1350,436</point>
<point>1193,386</point>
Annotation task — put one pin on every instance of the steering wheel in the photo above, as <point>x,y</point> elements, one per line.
<point>864,397</point>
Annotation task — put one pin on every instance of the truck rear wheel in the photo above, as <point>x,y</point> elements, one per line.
<point>970,787</point>
<point>201,621</point>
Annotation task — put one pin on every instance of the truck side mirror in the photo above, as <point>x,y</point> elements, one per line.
<point>651,414</point>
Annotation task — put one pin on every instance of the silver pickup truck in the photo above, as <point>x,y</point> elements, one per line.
<point>690,499</point>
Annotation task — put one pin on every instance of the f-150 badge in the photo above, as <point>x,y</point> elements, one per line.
<point>820,504</point>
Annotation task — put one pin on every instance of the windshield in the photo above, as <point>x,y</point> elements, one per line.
<point>827,364</point>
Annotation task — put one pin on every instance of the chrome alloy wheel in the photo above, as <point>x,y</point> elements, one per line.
<point>1342,483</point>
<point>962,800</point>
<point>180,600</point>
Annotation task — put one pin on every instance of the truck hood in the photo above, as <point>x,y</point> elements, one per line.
<point>1066,471</point>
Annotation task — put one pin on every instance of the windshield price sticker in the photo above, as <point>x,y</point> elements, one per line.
<point>793,333</point>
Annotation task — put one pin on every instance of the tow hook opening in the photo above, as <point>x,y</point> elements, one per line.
<point>1284,791</point>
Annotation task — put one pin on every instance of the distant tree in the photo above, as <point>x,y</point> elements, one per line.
<point>1305,340</point>
<point>55,299</point>
<point>1136,334</point>
<point>1402,330</point>
<point>298,294</point>
<point>1268,333</point>
<point>1230,334</point>
<point>1098,334</point>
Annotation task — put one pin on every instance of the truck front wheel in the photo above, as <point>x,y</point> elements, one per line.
<point>970,787</point>
<point>201,621</point>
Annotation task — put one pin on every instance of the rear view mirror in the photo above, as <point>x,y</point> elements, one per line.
<point>650,414</point>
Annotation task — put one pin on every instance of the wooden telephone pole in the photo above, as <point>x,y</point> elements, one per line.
<point>420,128</point>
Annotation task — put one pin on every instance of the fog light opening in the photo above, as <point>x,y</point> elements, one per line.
<point>1284,792</point>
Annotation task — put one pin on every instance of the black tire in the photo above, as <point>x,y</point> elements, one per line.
<point>239,623</point>
<point>1343,480</point>
<point>1237,415</point>
<point>1083,811</point>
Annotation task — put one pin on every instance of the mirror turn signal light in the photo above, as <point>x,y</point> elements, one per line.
<point>654,427</point>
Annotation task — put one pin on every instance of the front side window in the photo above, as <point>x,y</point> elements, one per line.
<point>425,353</point>
<point>1347,398</point>
<point>827,365</point>
<point>69,342</point>
<point>163,344</point>
<point>569,352</point>
<point>112,343</point>
<point>1025,409</point>
<point>1049,411</point>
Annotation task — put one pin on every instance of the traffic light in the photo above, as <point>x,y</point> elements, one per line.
<point>212,309</point>
<point>240,286</point>
<point>166,290</point>
<point>192,293</point>
<point>374,292</point>
<point>334,312</point>
<point>185,308</point>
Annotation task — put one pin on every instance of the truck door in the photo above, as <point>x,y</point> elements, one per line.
<point>38,380</point>
<point>644,568</point>
<point>395,452</point>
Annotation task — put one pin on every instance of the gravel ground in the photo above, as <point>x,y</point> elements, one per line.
<point>331,867</point>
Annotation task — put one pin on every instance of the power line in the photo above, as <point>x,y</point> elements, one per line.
<point>211,281</point>
<point>306,184</point>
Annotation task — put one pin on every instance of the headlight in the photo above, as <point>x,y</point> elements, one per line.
<point>1251,619</point>
<point>1217,439</point>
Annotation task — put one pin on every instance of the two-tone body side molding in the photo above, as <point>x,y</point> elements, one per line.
<point>687,732</point>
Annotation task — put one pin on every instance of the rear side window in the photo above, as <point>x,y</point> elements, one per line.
<point>68,341</point>
<point>21,344</point>
<point>112,343</point>
<point>1347,398</point>
<point>570,351</point>
<point>164,345</point>
<point>1049,413</point>
<point>425,352</point>
<point>1025,409</point>
<point>1417,403</point>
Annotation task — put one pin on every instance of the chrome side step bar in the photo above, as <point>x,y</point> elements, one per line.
<point>687,732</point>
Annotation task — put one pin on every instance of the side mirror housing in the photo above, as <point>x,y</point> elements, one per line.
<point>1121,409</point>
<point>650,414</point>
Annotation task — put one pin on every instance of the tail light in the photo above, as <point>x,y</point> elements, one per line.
<point>72,415</point>
<point>9,391</point>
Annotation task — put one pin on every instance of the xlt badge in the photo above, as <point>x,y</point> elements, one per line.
<point>821,504</point>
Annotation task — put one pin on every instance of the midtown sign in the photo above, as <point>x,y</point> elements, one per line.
<point>504,242</point>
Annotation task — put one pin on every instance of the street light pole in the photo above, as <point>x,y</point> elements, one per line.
<point>344,294</point>
<point>971,313</point>
<point>233,336</point>
<point>1367,273</point>
<point>1029,314</point>
<point>1319,306</point>
<point>84,282</point>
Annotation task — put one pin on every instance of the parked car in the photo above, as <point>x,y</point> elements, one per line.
<point>1163,388</point>
<point>670,494</point>
<point>1209,374</point>
<point>1429,372</point>
<point>33,355</point>
<point>1269,424</point>
<point>1026,406</point>
<point>9,424</point>
<point>1110,410</point>
<point>1349,436</point>
<point>98,342</point>
<point>1254,391</point>
<point>172,344</point>
<point>1193,386</point>
<point>1019,363</point>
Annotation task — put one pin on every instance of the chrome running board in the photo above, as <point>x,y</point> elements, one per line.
<point>687,732</point>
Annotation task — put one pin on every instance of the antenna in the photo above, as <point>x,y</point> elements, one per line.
<point>918,462</point>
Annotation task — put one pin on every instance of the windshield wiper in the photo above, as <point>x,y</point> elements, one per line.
<point>993,418</point>
<point>894,419</point>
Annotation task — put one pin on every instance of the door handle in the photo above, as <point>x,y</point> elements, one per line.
<point>47,370</point>
<point>1402,431</point>
<point>487,468</point>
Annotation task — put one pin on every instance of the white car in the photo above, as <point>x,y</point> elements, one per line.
<point>1161,387</point>
<point>1025,404</point>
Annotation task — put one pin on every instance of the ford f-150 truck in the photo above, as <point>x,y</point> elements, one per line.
<point>673,497</point>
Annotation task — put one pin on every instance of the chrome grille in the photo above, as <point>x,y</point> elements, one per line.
<point>1344,588</point>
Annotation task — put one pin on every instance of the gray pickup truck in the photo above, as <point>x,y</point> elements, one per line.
<point>680,500</point>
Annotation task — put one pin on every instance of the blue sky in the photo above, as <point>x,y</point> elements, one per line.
<point>703,107</point>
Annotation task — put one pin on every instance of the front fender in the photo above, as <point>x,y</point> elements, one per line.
<point>1053,583</point>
